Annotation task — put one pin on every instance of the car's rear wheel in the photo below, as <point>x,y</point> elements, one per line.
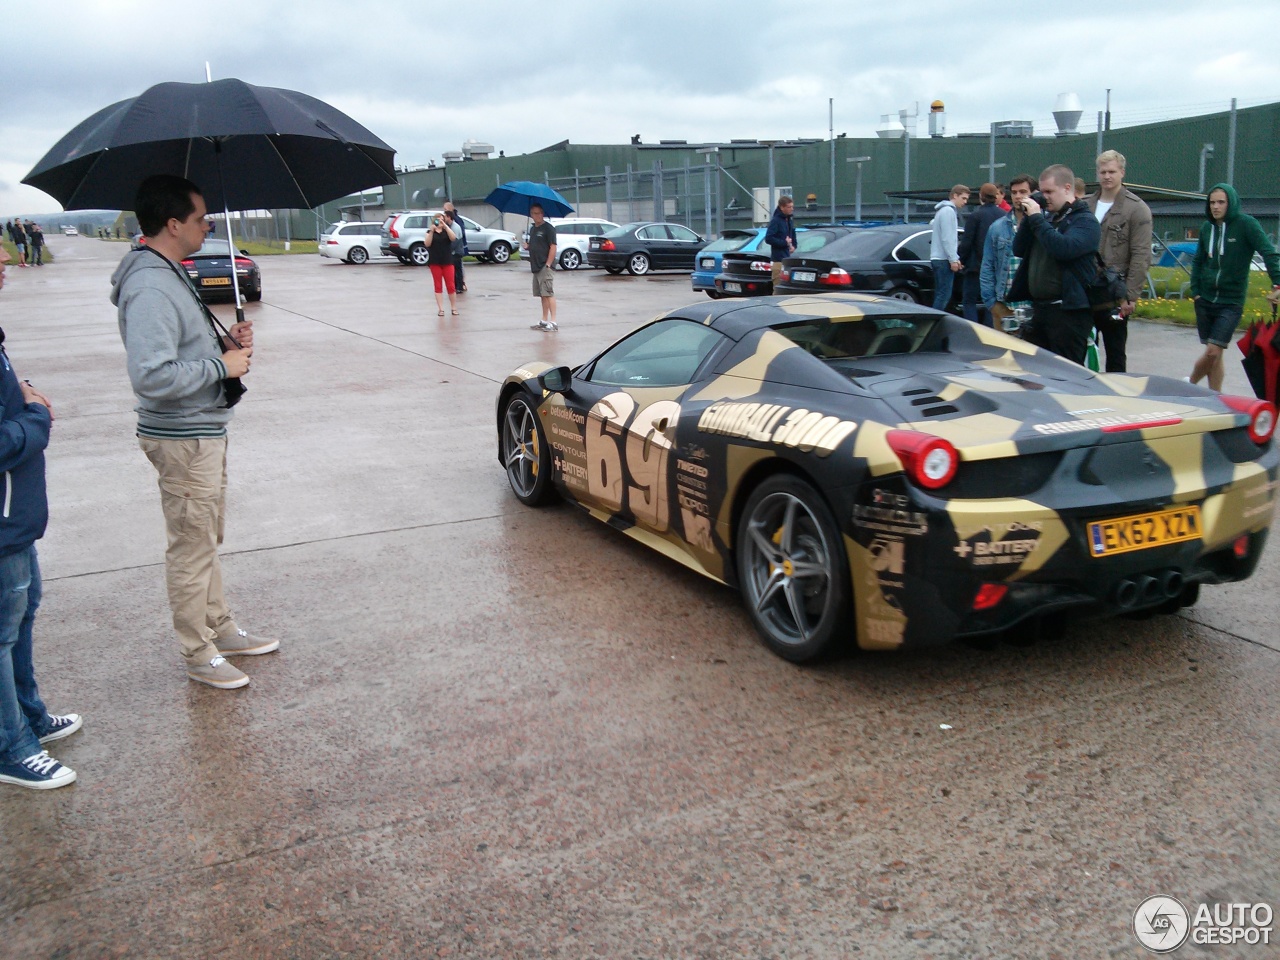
<point>638,264</point>
<point>524,452</point>
<point>613,270</point>
<point>253,296</point>
<point>500,251</point>
<point>792,568</point>
<point>404,259</point>
<point>419,254</point>
<point>571,259</point>
<point>357,254</point>
<point>715,294</point>
<point>902,293</point>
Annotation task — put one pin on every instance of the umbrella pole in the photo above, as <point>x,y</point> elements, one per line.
<point>231,247</point>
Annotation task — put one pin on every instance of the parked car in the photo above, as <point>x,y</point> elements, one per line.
<point>750,274</point>
<point>707,264</point>
<point>352,242</point>
<point>868,470</point>
<point>404,236</point>
<point>892,261</point>
<point>210,270</point>
<point>641,247</point>
<point>572,236</point>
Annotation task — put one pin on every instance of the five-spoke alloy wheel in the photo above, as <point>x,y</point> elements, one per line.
<point>524,452</point>
<point>792,568</point>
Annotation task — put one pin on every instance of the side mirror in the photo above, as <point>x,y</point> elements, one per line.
<point>557,380</point>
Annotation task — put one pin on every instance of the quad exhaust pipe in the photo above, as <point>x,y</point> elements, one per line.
<point>1149,589</point>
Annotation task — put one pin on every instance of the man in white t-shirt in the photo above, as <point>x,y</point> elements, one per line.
<point>1125,246</point>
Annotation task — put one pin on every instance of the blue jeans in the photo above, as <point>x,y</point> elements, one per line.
<point>23,717</point>
<point>943,279</point>
<point>974,311</point>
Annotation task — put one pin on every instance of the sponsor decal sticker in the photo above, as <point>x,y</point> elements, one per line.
<point>1100,423</point>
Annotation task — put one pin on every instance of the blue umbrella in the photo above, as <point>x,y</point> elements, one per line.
<point>516,196</point>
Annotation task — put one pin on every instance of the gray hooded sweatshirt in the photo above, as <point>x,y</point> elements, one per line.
<point>944,241</point>
<point>174,357</point>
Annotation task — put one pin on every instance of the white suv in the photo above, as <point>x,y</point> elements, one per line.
<point>352,242</point>
<point>404,236</point>
<point>572,236</point>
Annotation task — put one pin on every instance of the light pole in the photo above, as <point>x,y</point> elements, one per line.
<point>857,192</point>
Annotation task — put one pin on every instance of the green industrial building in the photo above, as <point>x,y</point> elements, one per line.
<point>711,187</point>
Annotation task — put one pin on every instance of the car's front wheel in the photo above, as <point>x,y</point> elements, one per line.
<point>571,259</point>
<point>357,254</point>
<point>500,251</point>
<point>524,452</point>
<point>792,568</point>
<point>614,271</point>
<point>419,254</point>
<point>638,264</point>
<point>714,294</point>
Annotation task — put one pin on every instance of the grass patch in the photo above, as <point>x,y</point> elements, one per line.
<point>1183,311</point>
<point>267,248</point>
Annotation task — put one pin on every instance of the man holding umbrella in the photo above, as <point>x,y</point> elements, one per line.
<point>177,363</point>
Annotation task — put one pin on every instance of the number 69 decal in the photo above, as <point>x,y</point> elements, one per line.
<point>647,444</point>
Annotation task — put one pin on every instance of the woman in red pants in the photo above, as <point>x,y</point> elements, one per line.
<point>440,258</point>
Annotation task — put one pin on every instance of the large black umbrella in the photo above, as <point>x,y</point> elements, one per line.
<point>247,147</point>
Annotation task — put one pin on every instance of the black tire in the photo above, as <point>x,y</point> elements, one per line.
<point>404,259</point>
<point>480,258</point>
<point>638,264</point>
<point>499,251</point>
<point>787,526</point>
<point>525,453</point>
<point>357,254</point>
<point>253,296</point>
<point>902,293</point>
<point>613,271</point>
<point>715,294</point>
<point>571,259</point>
<point>419,254</point>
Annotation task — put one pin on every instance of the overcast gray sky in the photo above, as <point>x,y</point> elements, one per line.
<point>425,76</point>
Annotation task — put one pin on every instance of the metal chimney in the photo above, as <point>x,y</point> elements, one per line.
<point>1066,113</point>
<point>937,119</point>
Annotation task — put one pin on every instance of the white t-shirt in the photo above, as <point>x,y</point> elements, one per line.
<point>1103,207</point>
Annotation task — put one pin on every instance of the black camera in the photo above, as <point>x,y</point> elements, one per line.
<point>1038,197</point>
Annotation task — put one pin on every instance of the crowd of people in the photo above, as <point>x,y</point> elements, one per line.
<point>1045,252</point>
<point>28,238</point>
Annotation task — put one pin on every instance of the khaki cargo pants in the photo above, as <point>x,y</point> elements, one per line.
<point>193,494</point>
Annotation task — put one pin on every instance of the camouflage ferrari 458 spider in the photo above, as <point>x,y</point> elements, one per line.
<point>866,468</point>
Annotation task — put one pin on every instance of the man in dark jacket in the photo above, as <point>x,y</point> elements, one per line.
<point>459,245</point>
<point>25,724</point>
<point>971,246</point>
<point>1220,276</point>
<point>780,235</point>
<point>1057,248</point>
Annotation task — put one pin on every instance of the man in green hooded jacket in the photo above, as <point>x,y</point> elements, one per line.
<point>1220,276</point>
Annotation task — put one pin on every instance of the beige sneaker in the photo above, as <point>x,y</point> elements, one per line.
<point>217,673</point>
<point>241,644</point>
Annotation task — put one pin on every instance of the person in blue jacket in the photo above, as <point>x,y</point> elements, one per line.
<point>25,724</point>
<point>780,235</point>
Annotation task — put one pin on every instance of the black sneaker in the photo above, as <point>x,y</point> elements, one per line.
<point>63,727</point>
<point>38,772</point>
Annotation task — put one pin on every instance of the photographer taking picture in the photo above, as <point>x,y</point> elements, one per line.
<point>1057,242</point>
<point>440,258</point>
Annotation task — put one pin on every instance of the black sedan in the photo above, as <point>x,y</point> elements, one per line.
<point>751,274</point>
<point>865,468</point>
<point>891,261</point>
<point>641,247</point>
<point>210,270</point>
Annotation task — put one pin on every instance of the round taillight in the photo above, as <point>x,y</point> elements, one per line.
<point>1261,413</point>
<point>931,462</point>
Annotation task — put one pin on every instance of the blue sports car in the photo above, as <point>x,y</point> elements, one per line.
<point>707,265</point>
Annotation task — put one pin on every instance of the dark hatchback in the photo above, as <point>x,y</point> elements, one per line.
<point>891,261</point>
<point>210,270</point>
<point>751,274</point>
<point>639,248</point>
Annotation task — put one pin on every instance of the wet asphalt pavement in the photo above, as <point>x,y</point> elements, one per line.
<point>499,732</point>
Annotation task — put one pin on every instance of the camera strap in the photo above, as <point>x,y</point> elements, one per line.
<point>218,329</point>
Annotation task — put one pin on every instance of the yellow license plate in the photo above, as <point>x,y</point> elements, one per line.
<point>216,282</point>
<point>1144,531</point>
